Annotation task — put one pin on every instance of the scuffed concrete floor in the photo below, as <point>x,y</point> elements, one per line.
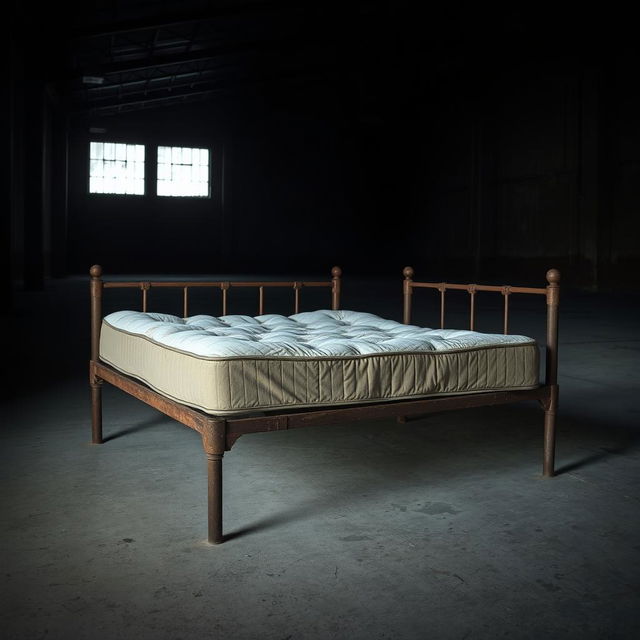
<point>438,528</point>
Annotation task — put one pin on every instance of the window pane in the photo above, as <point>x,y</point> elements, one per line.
<point>183,171</point>
<point>116,168</point>
<point>96,152</point>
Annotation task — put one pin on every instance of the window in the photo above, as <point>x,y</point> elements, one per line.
<point>116,168</point>
<point>183,171</point>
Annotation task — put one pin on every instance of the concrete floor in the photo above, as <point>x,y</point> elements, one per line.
<point>438,528</point>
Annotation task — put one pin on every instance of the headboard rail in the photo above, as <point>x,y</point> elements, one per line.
<point>551,291</point>
<point>97,285</point>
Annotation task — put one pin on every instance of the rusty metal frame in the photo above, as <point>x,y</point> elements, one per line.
<point>549,400</point>
<point>220,433</point>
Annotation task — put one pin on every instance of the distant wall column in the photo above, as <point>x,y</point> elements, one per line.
<point>59,192</point>
<point>7,125</point>
<point>34,181</point>
<point>590,195</point>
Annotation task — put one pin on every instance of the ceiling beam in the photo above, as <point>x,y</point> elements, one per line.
<point>186,95</point>
<point>176,97</point>
<point>209,53</point>
<point>177,19</point>
<point>199,55</point>
<point>168,90</point>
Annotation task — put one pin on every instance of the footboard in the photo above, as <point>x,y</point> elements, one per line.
<point>552,295</point>
<point>98,285</point>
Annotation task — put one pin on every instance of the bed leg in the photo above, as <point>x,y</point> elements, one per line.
<point>214,472</point>
<point>214,433</point>
<point>550,433</point>
<point>549,443</point>
<point>96,412</point>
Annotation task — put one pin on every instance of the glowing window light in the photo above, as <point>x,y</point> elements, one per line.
<point>116,168</point>
<point>183,171</point>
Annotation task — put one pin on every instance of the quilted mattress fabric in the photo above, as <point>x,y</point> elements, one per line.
<point>237,364</point>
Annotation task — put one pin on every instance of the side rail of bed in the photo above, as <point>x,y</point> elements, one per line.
<point>547,394</point>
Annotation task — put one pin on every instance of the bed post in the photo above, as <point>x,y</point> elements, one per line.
<point>336,272</point>
<point>95,383</point>
<point>551,375</point>
<point>213,441</point>
<point>407,291</point>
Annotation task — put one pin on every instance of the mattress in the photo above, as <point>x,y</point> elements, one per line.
<point>236,364</point>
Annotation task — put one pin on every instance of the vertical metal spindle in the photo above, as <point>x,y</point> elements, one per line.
<point>296,295</point>
<point>472,314</point>
<point>224,286</point>
<point>261,301</point>
<point>185,302</point>
<point>145,287</point>
<point>443,288</point>
<point>506,293</point>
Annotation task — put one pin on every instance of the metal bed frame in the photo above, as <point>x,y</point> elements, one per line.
<point>220,433</point>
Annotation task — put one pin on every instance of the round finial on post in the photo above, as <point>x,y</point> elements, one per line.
<point>336,272</point>
<point>553,276</point>
<point>95,271</point>
<point>407,291</point>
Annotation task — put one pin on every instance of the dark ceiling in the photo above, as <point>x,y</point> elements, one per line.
<point>108,56</point>
<point>170,56</point>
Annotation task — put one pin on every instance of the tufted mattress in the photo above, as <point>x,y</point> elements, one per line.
<point>237,364</point>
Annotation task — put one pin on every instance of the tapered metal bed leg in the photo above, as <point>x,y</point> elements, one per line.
<point>96,412</point>
<point>549,443</point>
<point>214,472</point>
<point>550,434</point>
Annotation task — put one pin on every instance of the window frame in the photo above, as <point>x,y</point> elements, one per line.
<point>170,146</point>
<point>215,176</point>
<point>117,141</point>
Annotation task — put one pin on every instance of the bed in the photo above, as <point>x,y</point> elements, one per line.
<point>231,375</point>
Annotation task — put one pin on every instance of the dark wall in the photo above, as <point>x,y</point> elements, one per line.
<point>283,189</point>
<point>140,233</point>
<point>501,173</point>
<point>494,151</point>
<point>527,164</point>
<point>620,223</point>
